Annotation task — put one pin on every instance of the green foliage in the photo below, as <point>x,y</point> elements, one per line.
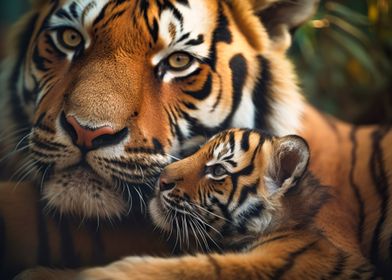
<point>343,57</point>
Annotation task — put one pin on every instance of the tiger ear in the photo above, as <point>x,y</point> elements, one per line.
<point>281,17</point>
<point>287,163</point>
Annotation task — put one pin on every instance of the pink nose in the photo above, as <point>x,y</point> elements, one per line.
<point>165,184</point>
<point>85,135</point>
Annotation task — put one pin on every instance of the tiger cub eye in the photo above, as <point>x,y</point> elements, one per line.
<point>70,38</point>
<point>179,61</point>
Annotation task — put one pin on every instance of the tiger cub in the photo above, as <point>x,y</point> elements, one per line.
<point>251,196</point>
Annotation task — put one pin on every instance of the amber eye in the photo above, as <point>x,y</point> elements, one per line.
<point>216,172</point>
<point>179,61</point>
<point>70,38</point>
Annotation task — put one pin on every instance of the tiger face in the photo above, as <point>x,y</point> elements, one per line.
<point>230,191</point>
<point>113,90</point>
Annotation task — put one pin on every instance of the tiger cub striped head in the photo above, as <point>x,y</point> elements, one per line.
<point>233,189</point>
<point>111,90</point>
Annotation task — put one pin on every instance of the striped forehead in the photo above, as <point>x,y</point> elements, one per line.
<point>226,149</point>
<point>77,13</point>
<point>186,26</point>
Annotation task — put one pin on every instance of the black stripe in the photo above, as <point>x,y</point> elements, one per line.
<point>196,42</point>
<point>43,145</point>
<point>183,37</point>
<point>101,15</point>
<point>158,147</point>
<point>69,257</point>
<point>190,75</point>
<point>219,97</point>
<point>231,143</point>
<point>239,72</point>
<point>74,11</point>
<point>202,93</point>
<point>245,140</point>
<point>354,186</point>
<point>279,273</point>
<point>261,93</point>
<point>378,173</point>
<point>267,241</point>
<point>43,252</point>
<point>246,191</point>
<point>217,268</point>
<point>114,16</point>
<point>61,13</point>
<point>176,13</point>
<point>340,265</point>
<point>221,34</point>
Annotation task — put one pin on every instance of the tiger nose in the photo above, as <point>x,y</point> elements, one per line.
<point>89,138</point>
<point>165,184</point>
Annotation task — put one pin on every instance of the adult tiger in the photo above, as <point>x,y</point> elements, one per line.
<point>111,90</point>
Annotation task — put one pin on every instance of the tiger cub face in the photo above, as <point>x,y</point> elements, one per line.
<point>111,91</point>
<point>232,190</point>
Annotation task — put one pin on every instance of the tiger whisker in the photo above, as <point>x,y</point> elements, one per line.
<point>130,200</point>
<point>143,203</point>
<point>198,244</point>
<point>30,168</point>
<point>202,235</point>
<point>211,213</point>
<point>29,160</point>
<point>14,152</point>
<point>21,140</point>
<point>172,157</point>
<point>43,177</point>
<point>200,219</point>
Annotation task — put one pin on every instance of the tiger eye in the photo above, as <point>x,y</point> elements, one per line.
<point>179,61</point>
<point>70,38</point>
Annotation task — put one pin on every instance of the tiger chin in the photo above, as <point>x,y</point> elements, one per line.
<point>248,200</point>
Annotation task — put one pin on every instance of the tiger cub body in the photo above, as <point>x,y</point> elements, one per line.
<point>252,197</point>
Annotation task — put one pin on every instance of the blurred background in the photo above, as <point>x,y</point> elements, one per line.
<point>343,57</point>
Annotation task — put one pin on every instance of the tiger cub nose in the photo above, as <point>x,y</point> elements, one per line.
<point>165,184</point>
<point>91,138</point>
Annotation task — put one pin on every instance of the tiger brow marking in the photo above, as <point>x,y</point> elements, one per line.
<point>87,9</point>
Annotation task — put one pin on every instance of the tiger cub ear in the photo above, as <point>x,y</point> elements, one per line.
<point>288,161</point>
<point>281,17</point>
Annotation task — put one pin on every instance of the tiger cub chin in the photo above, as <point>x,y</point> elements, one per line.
<point>251,196</point>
